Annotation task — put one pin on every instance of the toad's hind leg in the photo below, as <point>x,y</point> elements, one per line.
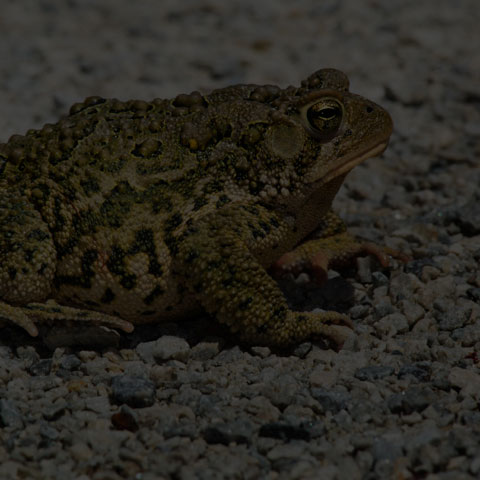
<point>27,269</point>
<point>50,312</point>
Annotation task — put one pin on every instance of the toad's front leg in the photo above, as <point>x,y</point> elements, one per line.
<point>218,258</point>
<point>333,247</point>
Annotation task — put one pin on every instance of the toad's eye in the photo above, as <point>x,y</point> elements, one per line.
<point>324,118</point>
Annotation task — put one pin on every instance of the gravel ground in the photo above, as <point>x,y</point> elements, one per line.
<point>402,398</point>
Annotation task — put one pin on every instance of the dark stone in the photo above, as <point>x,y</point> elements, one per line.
<point>55,411</point>
<point>412,400</point>
<point>70,362</point>
<point>474,294</point>
<point>284,431</point>
<point>416,266</point>
<point>468,219</point>
<point>379,279</point>
<point>383,449</point>
<point>470,418</point>
<point>125,419</point>
<point>302,350</point>
<point>374,372</point>
<point>382,309</point>
<point>47,432</point>
<point>420,371</point>
<point>226,433</point>
<point>451,318</point>
<point>9,415</point>
<point>134,391</point>
<point>189,431</point>
<point>330,401</point>
<point>42,367</point>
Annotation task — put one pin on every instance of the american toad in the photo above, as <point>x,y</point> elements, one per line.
<point>131,212</point>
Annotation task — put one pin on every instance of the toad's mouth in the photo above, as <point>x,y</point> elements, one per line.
<point>346,163</point>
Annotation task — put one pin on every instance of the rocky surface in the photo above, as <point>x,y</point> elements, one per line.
<point>401,399</point>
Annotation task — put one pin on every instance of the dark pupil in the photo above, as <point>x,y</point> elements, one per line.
<point>327,113</point>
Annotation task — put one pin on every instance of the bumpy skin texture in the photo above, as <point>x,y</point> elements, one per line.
<point>132,212</point>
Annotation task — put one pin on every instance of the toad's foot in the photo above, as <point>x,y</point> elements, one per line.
<point>300,326</point>
<point>28,316</point>
<point>317,256</point>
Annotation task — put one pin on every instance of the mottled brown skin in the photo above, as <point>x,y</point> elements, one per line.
<point>131,212</point>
